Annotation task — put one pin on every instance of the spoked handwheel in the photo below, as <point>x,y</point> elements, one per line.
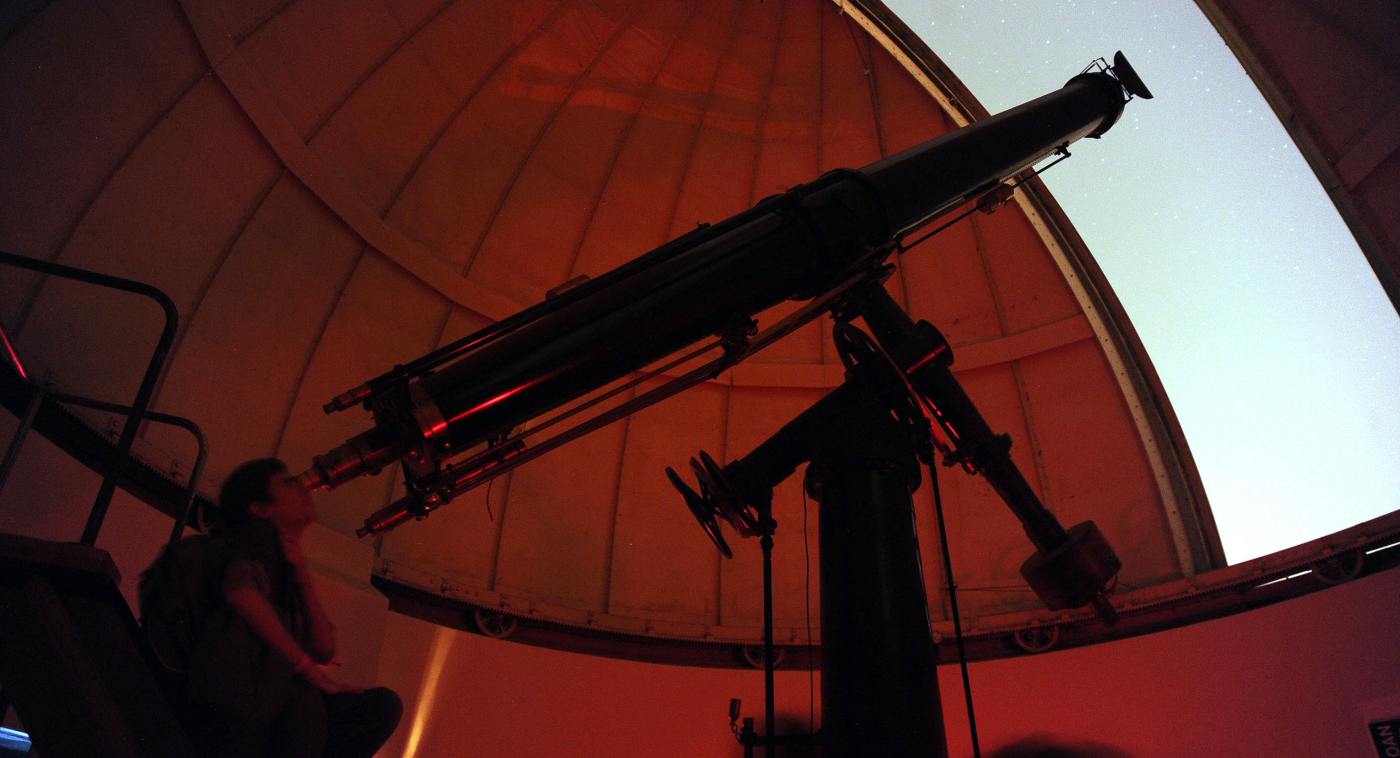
<point>704,509</point>
<point>717,487</point>
<point>716,499</point>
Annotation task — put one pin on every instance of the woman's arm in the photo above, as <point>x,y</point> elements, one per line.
<point>320,632</point>
<point>249,601</point>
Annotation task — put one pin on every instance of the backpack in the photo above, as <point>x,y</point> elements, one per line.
<point>175,599</point>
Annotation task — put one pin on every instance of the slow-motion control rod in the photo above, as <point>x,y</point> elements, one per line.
<point>1070,568</point>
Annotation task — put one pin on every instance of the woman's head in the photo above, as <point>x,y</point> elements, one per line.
<point>248,484</point>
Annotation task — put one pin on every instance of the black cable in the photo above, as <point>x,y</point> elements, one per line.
<point>953,600</point>
<point>811,668</point>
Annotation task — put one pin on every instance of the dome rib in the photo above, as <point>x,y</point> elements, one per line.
<point>512,185</point>
<point>637,206</point>
<point>315,350</point>
<point>867,60</point>
<point>303,163</point>
<point>409,39</point>
<point>1040,480</point>
<point>404,214</point>
<point>90,168</point>
<point>562,180</point>
<point>571,270</point>
<point>612,520</point>
<point>762,122</point>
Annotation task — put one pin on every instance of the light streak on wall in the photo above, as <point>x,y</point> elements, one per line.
<point>437,658</point>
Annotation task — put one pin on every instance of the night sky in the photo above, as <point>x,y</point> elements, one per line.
<point>1277,347</point>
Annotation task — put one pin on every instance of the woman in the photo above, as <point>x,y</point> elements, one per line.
<point>256,686</point>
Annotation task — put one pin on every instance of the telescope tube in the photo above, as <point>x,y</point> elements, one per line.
<point>791,246</point>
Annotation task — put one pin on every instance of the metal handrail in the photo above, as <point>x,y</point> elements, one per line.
<point>148,382</point>
<point>183,514</point>
<point>31,411</point>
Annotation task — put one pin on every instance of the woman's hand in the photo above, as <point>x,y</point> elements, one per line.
<point>322,681</point>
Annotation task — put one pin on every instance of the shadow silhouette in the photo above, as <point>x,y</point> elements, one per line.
<point>787,723</point>
<point>1044,746</point>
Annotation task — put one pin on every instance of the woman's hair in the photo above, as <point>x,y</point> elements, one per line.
<point>248,484</point>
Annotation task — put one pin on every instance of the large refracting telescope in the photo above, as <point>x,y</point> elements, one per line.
<point>822,242</point>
